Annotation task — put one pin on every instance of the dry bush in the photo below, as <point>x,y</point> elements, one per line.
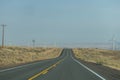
<point>10,56</point>
<point>99,56</point>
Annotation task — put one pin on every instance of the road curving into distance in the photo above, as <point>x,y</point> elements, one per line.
<point>65,67</point>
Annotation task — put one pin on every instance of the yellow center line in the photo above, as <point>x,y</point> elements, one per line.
<point>46,70</point>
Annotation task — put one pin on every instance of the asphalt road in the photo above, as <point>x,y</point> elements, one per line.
<point>65,67</point>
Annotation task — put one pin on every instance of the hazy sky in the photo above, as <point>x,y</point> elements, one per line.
<point>60,21</point>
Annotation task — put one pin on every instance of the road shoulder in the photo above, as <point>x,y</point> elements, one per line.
<point>106,72</point>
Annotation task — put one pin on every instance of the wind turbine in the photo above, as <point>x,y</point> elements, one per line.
<point>113,40</point>
<point>113,43</point>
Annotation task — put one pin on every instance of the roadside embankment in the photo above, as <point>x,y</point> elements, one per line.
<point>99,56</point>
<point>104,62</point>
<point>11,56</point>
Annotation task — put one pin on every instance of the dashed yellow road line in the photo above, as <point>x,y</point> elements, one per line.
<point>46,70</point>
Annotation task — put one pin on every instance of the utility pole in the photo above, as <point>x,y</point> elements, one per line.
<point>3,26</point>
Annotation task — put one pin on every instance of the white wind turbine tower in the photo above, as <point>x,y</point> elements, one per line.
<point>113,43</point>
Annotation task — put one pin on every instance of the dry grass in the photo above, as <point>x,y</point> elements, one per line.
<point>11,56</point>
<point>101,57</point>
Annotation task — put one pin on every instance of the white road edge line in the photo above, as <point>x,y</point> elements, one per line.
<point>25,65</point>
<point>88,68</point>
<point>20,66</point>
